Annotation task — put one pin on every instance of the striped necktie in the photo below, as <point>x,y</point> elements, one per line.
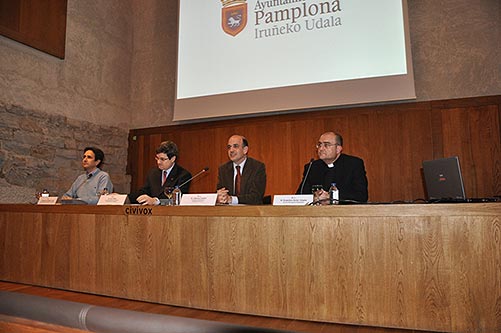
<point>164,177</point>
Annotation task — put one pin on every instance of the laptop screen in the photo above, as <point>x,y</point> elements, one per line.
<point>443,179</point>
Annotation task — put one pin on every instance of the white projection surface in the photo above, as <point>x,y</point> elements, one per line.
<point>244,57</point>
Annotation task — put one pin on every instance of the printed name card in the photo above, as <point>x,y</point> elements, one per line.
<point>47,200</point>
<point>292,200</point>
<point>112,199</point>
<point>200,199</point>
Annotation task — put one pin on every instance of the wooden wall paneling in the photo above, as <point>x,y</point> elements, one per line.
<point>144,258</point>
<point>193,243</point>
<point>132,167</point>
<point>270,142</point>
<point>435,301</point>
<point>392,139</point>
<point>304,134</point>
<point>28,242</point>
<point>145,146</point>
<point>137,271</point>
<point>9,15</point>
<point>284,162</point>
<point>472,241</point>
<point>43,23</point>
<point>56,233</point>
<point>154,142</point>
<point>200,149</point>
<point>39,24</point>
<point>397,145</point>
<point>373,242</point>
<point>401,240</point>
<point>486,149</point>
<point>83,251</point>
<point>429,267</point>
<point>134,164</point>
<point>111,261</point>
<point>473,134</point>
<point>436,127</point>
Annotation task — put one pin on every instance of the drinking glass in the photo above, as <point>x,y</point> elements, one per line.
<point>38,195</point>
<point>168,193</point>
<point>315,189</point>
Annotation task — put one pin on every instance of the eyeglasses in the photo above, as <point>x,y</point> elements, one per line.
<point>161,159</point>
<point>235,145</point>
<point>326,144</point>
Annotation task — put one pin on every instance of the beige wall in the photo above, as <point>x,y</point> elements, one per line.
<point>121,55</point>
<point>456,48</point>
<point>92,83</point>
<point>153,62</point>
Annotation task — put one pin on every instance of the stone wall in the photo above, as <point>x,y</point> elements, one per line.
<point>51,109</point>
<point>39,150</point>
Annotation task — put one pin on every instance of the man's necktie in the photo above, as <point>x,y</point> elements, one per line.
<point>164,177</point>
<point>238,179</point>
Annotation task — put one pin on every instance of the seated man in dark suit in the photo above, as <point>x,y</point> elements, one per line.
<point>167,174</point>
<point>348,172</point>
<point>242,180</point>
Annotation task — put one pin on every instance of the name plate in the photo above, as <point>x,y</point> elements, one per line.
<point>112,199</point>
<point>200,199</point>
<point>47,201</point>
<point>292,200</point>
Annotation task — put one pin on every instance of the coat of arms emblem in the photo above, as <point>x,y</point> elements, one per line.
<point>234,16</point>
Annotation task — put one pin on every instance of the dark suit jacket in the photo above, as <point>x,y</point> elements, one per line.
<point>253,183</point>
<point>153,184</point>
<point>348,173</point>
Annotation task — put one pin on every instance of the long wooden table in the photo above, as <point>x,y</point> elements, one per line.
<point>429,267</point>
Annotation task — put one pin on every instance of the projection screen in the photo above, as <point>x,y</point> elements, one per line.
<point>238,57</point>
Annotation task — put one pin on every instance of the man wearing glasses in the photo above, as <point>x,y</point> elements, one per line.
<point>167,174</point>
<point>242,180</point>
<point>332,166</point>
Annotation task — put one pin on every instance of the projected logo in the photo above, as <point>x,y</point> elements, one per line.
<point>234,16</point>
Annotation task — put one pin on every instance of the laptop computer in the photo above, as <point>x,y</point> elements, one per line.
<point>443,179</point>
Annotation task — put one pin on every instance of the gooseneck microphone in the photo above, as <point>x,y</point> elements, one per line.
<point>195,176</point>
<point>79,186</point>
<point>306,176</point>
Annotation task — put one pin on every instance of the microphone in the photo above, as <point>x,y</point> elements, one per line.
<point>85,181</point>
<point>195,176</point>
<point>306,176</point>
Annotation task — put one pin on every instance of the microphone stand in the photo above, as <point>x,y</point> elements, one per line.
<point>75,196</point>
<point>195,176</point>
<point>305,177</point>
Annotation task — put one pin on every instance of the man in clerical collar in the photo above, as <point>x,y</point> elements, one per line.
<point>333,166</point>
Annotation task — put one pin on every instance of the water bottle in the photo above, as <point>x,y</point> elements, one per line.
<point>333,194</point>
<point>176,196</point>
